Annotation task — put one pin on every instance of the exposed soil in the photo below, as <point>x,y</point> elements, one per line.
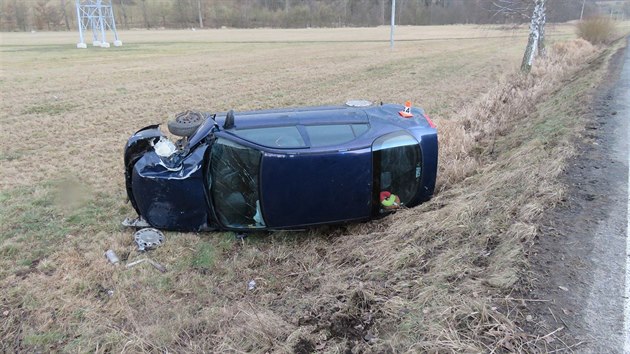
<point>579,258</point>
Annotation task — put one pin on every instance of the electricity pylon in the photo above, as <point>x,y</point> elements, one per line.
<point>98,16</point>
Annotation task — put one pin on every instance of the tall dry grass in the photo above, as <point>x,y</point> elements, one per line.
<point>436,278</point>
<point>597,30</point>
<point>477,126</point>
<point>446,261</point>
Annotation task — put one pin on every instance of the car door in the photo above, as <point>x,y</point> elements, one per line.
<point>316,188</point>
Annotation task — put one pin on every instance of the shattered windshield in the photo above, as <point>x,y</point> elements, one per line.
<point>233,181</point>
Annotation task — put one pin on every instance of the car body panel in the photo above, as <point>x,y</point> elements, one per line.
<point>316,188</point>
<point>171,199</point>
<point>302,186</point>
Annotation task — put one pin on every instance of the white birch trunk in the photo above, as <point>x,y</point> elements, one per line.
<point>534,37</point>
<point>542,20</point>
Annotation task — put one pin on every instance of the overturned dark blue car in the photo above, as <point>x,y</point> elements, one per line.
<point>281,169</point>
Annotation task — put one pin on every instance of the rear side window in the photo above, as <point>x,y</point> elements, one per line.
<point>397,166</point>
<point>276,137</point>
<point>325,135</point>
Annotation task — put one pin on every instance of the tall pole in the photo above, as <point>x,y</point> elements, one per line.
<point>79,22</point>
<point>199,11</point>
<point>393,25</point>
<point>582,12</point>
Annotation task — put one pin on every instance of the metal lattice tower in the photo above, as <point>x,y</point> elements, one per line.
<point>98,16</point>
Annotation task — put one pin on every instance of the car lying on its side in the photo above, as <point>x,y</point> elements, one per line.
<point>282,169</point>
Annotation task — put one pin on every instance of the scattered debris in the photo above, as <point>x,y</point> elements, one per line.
<point>135,263</point>
<point>370,338</point>
<point>148,239</point>
<point>137,222</point>
<point>155,264</point>
<point>112,257</point>
<point>251,285</point>
<point>563,288</point>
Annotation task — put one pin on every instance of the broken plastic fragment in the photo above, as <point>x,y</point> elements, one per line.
<point>258,216</point>
<point>251,285</point>
<point>165,148</point>
<point>137,222</point>
<point>112,257</point>
<point>155,264</point>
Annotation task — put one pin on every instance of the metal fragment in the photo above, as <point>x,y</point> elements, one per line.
<point>112,257</point>
<point>148,239</point>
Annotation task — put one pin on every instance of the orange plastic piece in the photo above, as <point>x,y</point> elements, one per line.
<point>406,113</point>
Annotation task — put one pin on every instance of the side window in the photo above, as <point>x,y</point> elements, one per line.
<point>233,180</point>
<point>276,137</point>
<point>325,135</point>
<point>397,169</point>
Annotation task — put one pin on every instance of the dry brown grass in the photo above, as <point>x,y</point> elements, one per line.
<point>597,30</point>
<point>425,279</point>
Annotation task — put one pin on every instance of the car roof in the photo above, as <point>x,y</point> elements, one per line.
<point>295,116</point>
<point>381,119</point>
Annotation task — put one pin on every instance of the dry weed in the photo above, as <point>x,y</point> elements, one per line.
<point>597,30</point>
<point>425,279</point>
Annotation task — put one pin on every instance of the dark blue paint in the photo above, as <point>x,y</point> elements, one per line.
<point>171,199</point>
<point>308,189</point>
<point>299,187</point>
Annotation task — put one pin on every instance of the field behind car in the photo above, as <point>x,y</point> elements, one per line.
<point>435,277</point>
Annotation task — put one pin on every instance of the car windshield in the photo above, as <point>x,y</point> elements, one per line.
<point>233,181</point>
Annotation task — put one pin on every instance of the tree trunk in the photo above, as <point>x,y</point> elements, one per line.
<point>542,20</point>
<point>65,14</point>
<point>144,14</point>
<point>534,36</point>
<point>200,15</point>
<point>124,13</point>
<point>382,12</point>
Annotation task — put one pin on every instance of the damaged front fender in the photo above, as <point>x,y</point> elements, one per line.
<point>169,199</point>
<point>137,145</point>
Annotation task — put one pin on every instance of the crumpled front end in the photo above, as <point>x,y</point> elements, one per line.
<point>165,186</point>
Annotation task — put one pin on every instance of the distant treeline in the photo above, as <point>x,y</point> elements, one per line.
<point>27,15</point>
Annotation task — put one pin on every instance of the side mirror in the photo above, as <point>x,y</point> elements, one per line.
<point>229,120</point>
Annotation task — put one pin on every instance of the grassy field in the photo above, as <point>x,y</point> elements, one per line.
<point>433,278</point>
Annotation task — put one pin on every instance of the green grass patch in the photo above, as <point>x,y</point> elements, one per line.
<point>45,339</point>
<point>10,156</point>
<point>34,222</point>
<point>50,108</point>
<point>204,257</point>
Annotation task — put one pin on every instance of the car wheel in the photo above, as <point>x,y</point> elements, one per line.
<point>185,123</point>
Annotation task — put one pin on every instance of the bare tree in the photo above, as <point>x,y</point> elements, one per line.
<point>64,13</point>
<point>537,20</point>
<point>200,14</point>
<point>21,14</point>
<point>536,36</point>
<point>44,15</point>
<point>145,17</point>
<point>124,14</point>
<point>20,11</point>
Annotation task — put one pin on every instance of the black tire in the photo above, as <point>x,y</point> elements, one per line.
<point>185,123</point>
